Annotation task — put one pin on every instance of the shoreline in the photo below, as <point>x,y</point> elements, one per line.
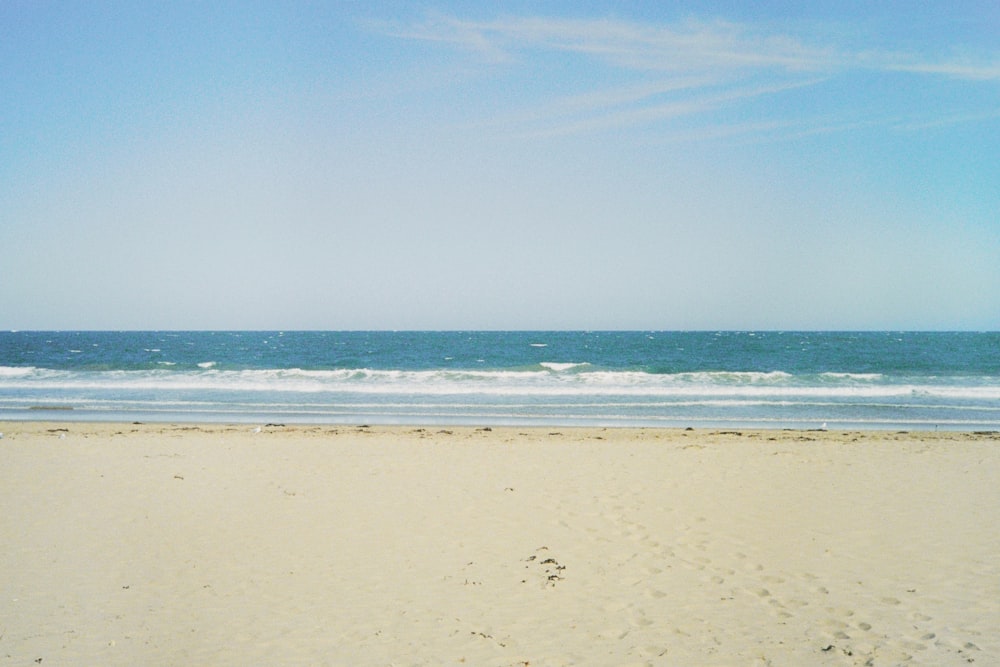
<point>194,543</point>
<point>28,425</point>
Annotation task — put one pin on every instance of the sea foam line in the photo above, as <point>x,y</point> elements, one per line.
<point>762,386</point>
<point>228,413</point>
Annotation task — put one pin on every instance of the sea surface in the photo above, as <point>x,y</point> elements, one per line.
<point>835,380</point>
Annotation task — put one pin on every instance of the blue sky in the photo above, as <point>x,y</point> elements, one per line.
<point>454,165</point>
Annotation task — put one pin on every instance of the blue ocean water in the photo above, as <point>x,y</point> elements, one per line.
<point>908,380</point>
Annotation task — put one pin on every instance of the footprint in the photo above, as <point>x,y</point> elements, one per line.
<point>654,651</point>
<point>613,633</point>
<point>840,611</point>
<point>616,607</point>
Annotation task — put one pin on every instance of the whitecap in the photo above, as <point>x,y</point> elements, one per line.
<point>16,371</point>
<point>869,377</point>
<point>207,364</point>
<point>559,367</point>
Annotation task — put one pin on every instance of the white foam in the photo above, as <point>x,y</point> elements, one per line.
<point>16,371</point>
<point>865,377</point>
<point>553,380</point>
<point>560,367</point>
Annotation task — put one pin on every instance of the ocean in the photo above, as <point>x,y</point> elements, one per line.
<point>762,379</point>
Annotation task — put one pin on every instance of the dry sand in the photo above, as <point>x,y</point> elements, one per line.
<point>215,545</point>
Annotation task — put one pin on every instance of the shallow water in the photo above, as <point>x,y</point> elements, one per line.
<point>893,380</point>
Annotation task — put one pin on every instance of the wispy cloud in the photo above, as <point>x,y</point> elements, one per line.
<point>680,69</point>
<point>628,115</point>
<point>945,121</point>
<point>687,46</point>
<point>956,69</point>
<point>690,46</point>
<point>574,113</point>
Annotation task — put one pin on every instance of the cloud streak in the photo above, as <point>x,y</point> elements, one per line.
<point>689,46</point>
<point>681,69</point>
<point>631,115</point>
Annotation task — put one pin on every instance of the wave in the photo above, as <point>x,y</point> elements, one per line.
<point>17,371</point>
<point>562,367</point>
<point>551,379</point>
<point>861,377</point>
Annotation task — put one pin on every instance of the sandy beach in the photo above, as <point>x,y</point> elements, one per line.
<point>159,544</point>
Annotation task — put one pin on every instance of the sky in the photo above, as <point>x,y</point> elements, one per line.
<point>516,165</point>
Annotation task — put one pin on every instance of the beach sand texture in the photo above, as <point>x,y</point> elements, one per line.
<point>163,544</point>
